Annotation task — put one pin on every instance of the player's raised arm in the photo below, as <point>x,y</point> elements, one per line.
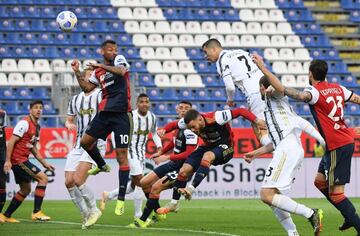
<point>81,77</point>
<point>225,116</point>
<point>309,129</point>
<point>120,66</point>
<point>275,82</point>
<point>176,124</point>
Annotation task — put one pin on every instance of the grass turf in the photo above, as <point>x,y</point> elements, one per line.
<point>197,217</point>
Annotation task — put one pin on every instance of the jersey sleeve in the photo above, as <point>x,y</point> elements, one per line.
<point>347,93</point>
<point>71,107</point>
<point>190,137</point>
<point>21,128</point>
<point>224,67</point>
<point>121,61</point>
<point>156,138</point>
<point>223,117</point>
<point>314,94</point>
<point>93,79</point>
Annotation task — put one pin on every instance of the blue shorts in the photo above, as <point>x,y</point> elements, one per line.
<point>336,165</point>
<point>223,154</point>
<point>105,122</point>
<point>168,167</point>
<point>25,172</point>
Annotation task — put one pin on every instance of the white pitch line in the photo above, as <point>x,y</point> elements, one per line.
<point>151,228</point>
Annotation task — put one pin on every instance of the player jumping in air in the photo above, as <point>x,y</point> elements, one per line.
<point>114,116</point>
<point>144,123</point>
<point>83,107</point>
<point>164,176</point>
<point>288,155</point>
<point>218,147</point>
<point>23,142</point>
<point>327,102</point>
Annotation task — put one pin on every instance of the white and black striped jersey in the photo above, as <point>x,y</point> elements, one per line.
<point>240,67</point>
<point>280,118</point>
<point>84,107</point>
<point>142,126</point>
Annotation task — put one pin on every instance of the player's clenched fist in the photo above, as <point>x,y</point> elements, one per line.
<point>75,65</point>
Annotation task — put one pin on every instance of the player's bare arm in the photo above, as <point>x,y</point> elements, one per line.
<point>9,150</point>
<point>118,70</point>
<point>250,156</point>
<point>70,123</point>
<point>355,98</point>
<point>39,157</point>
<point>80,76</point>
<point>298,95</point>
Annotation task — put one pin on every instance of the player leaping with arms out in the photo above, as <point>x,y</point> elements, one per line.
<point>82,109</point>
<point>23,142</point>
<point>163,176</point>
<point>327,102</point>
<point>113,79</point>
<point>282,123</point>
<point>218,147</point>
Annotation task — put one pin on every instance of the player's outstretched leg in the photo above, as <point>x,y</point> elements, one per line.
<point>286,221</point>
<point>172,206</point>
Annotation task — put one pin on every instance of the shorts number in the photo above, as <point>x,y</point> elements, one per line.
<point>124,139</point>
<point>269,171</point>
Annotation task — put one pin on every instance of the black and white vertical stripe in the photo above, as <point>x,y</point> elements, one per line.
<point>143,125</point>
<point>84,108</point>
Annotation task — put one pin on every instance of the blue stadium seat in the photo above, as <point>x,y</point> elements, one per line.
<point>298,15</point>
<point>194,53</point>
<point>207,107</point>
<point>7,93</point>
<point>40,93</point>
<point>163,108</point>
<point>24,93</point>
<point>146,80</point>
<point>7,25</point>
<point>168,94</point>
<point>131,53</point>
<point>337,68</point>
<point>172,14</point>
<point>352,109</point>
<point>12,38</point>
<point>124,40</point>
<point>49,122</point>
<point>10,107</point>
<point>212,80</point>
<point>203,95</point>
<point>49,108</point>
<point>355,16</point>
<point>154,94</point>
<point>138,66</point>
<point>185,94</point>
<point>6,52</point>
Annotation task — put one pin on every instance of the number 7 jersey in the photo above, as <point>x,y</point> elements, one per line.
<point>239,65</point>
<point>327,107</point>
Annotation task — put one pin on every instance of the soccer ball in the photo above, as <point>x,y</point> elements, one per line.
<point>66,21</point>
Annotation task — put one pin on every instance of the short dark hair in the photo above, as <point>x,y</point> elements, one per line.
<point>186,102</point>
<point>190,115</point>
<point>109,41</point>
<point>142,95</point>
<point>211,43</point>
<point>264,81</point>
<point>318,69</point>
<point>33,103</point>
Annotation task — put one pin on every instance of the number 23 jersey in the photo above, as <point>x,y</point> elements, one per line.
<point>239,65</point>
<point>327,107</point>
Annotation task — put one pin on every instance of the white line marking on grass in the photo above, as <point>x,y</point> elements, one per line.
<point>151,228</point>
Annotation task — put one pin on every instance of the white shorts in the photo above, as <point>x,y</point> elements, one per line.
<point>77,155</point>
<point>136,166</point>
<point>287,159</point>
<point>256,105</point>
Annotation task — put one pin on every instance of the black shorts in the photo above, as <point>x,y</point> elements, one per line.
<point>105,122</point>
<point>336,165</point>
<point>223,154</point>
<point>25,172</point>
<point>3,176</point>
<point>168,167</point>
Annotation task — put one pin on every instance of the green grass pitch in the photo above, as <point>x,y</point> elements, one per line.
<point>196,217</point>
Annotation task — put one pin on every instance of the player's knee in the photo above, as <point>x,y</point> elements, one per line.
<point>205,163</point>
<point>265,196</point>
<point>183,174</point>
<point>136,180</point>
<point>25,190</point>
<point>69,182</point>
<point>208,156</point>
<point>43,179</point>
<point>337,197</point>
<point>320,184</point>
<point>156,188</point>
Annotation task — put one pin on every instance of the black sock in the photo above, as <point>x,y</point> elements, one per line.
<point>180,182</point>
<point>147,195</point>
<point>96,156</point>
<point>2,198</point>
<point>123,180</point>
<point>348,210</point>
<point>176,195</point>
<point>147,210</point>
<point>14,204</point>
<point>201,173</point>
<point>38,198</point>
<point>325,192</point>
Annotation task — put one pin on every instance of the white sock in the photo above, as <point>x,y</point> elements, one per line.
<point>89,197</point>
<point>138,200</point>
<point>287,204</point>
<point>285,220</point>
<point>113,194</point>
<point>173,201</point>
<point>129,188</point>
<point>78,200</point>
<point>265,140</point>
